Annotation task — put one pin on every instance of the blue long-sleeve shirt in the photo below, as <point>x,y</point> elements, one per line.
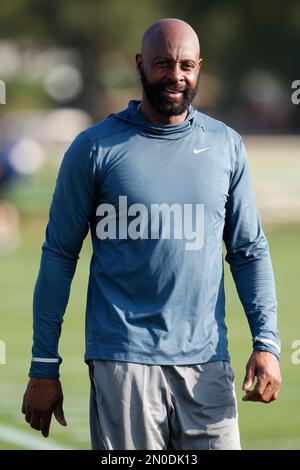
<point>158,201</point>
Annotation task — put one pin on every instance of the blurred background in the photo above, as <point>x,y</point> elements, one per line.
<point>65,65</point>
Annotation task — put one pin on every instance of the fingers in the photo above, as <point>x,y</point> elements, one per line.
<point>272,392</point>
<point>263,392</point>
<point>253,395</point>
<point>59,415</point>
<point>258,392</point>
<point>23,407</point>
<point>26,410</point>
<point>35,420</point>
<point>249,378</point>
<point>24,404</point>
<point>261,386</point>
<point>45,423</point>
<point>40,421</point>
<point>27,415</point>
<point>277,391</point>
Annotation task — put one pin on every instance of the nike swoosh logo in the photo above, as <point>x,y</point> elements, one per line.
<point>200,150</point>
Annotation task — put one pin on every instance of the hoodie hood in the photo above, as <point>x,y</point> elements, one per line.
<point>153,129</point>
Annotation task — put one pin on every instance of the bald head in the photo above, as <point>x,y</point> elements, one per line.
<point>168,66</point>
<point>170,35</point>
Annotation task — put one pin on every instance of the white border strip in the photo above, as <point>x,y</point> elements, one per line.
<point>42,359</point>
<point>268,341</point>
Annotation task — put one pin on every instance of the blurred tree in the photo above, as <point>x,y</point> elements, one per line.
<point>240,37</point>
<point>94,28</point>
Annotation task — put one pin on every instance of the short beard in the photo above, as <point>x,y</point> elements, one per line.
<point>164,105</point>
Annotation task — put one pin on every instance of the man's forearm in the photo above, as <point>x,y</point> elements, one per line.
<point>51,296</point>
<point>253,275</point>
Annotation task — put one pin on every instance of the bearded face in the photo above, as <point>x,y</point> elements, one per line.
<point>167,97</point>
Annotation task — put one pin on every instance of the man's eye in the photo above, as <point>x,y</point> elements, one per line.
<point>187,66</point>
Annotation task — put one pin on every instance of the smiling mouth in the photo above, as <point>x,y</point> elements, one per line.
<point>172,93</point>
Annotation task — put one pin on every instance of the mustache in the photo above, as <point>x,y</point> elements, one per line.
<point>171,87</point>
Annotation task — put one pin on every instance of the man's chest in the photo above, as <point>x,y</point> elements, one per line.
<point>170,172</point>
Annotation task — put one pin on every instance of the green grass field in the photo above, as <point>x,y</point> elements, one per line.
<point>273,426</point>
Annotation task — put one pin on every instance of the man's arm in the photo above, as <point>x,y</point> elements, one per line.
<point>72,208</point>
<point>251,267</point>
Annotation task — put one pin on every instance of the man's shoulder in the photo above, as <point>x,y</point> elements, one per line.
<point>108,127</point>
<point>215,126</point>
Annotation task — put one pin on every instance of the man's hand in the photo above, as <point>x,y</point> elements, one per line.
<point>42,398</point>
<point>264,366</point>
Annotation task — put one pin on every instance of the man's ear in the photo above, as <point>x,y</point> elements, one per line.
<point>200,63</point>
<point>139,62</point>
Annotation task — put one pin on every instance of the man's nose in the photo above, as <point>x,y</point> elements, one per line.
<point>175,73</point>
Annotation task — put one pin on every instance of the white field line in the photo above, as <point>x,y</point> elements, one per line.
<point>25,440</point>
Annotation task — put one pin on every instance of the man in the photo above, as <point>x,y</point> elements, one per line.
<point>160,185</point>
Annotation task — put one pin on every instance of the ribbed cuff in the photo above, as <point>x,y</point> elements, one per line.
<point>49,370</point>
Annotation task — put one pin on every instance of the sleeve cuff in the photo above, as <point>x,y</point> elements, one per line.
<point>268,345</point>
<point>47,368</point>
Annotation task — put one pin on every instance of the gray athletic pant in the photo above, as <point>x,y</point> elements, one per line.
<point>141,406</point>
